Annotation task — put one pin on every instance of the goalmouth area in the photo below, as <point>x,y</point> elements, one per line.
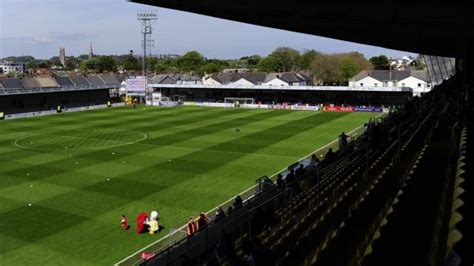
<point>66,179</point>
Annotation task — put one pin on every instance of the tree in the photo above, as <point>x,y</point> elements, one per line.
<point>209,67</point>
<point>268,64</point>
<point>337,69</point>
<point>280,60</point>
<point>418,63</point>
<point>19,59</point>
<point>380,62</point>
<point>99,64</point>
<point>72,63</point>
<point>348,69</point>
<point>306,58</point>
<point>106,63</point>
<point>131,62</point>
<point>351,64</point>
<point>252,61</point>
<point>54,61</point>
<point>14,74</point>
<point>326,69</point>
<point>89,64</point>
<point>190,61</point>
<point>32,65</point>
<point>287,58</point>
<point>44,64</point>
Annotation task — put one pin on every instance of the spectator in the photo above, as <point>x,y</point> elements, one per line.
<point>280,183</point>
<point>343,141</point>
<point>248,249</point>
<point>191,227</point>
<point>230,210</point>
<point>238,202</point>
<point>202,221</point>
<point>330,156</point>
<point>290,177</point>
<point>300,171</point>
<point>314,161</point>
<point>219,214</point>
<point>256,254</point>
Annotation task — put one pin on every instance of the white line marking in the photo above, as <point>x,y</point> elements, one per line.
<point>213,150</point>
<point>229,200</point>
<point>120,143</point>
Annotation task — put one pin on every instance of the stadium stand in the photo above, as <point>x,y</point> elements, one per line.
<point>11,83</point>
<point>109,79</point>
<point>64,81</point>
<point>80,81</point>
<point>30,83</point>
<point>358,208</point>
<point>94,80</point>
<point>459,239</point>
<point>47,82</point>
<point>22,95</point>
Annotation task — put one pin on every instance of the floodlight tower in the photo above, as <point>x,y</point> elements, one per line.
<point>147,18</point>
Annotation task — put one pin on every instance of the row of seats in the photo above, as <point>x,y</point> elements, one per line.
<point>364,204</point>
<point>349,241</point>
<point>460,234</point>
<point>56,82</point>
<point>410,226</point>
<point>315,214</point>
<point>321,220</point>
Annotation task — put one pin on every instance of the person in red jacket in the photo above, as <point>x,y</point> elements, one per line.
<point>125,225</point>
<point>191,227</point>
<point>202,221</point>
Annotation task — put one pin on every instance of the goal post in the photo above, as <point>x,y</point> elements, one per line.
<point>238,101</point>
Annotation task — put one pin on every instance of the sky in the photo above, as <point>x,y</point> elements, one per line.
<point>40,27</point>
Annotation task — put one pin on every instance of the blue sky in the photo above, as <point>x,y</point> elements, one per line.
<point>40,27</point>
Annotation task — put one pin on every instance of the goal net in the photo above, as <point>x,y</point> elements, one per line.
<point>237,101</point>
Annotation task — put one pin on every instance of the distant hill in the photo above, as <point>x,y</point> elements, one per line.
<point>19,59</point>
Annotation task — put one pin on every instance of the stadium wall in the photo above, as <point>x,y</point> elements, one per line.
<point>67,110</point>
<point>347,98</point>
<point>256,106</point>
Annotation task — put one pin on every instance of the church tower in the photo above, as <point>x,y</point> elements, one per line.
<point>62,56</point>
<point>91,52</point>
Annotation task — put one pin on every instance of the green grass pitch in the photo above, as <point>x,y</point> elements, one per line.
<point>81,171</point>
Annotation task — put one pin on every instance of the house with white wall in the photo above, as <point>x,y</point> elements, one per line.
<point>7,67</point>
<point>274,79</point>
<point>211,80</point>
<point>242,82</point>
<point>416,80</point>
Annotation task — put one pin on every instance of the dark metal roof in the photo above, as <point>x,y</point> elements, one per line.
<point>255,78</point>
<point>64,81</point>
<point>95,80</point>
<point>291,77</point>
<point>30,82</point>
<point>109,79</point>
<point>425,26</point>
<point>80,81</point>
<point>11,83</point>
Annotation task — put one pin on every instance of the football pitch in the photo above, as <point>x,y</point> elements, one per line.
<point>66,179</point>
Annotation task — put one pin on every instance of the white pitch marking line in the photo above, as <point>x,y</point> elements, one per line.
<point>145,136</point>
<point>231,152</point>
<point>229,200</point>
